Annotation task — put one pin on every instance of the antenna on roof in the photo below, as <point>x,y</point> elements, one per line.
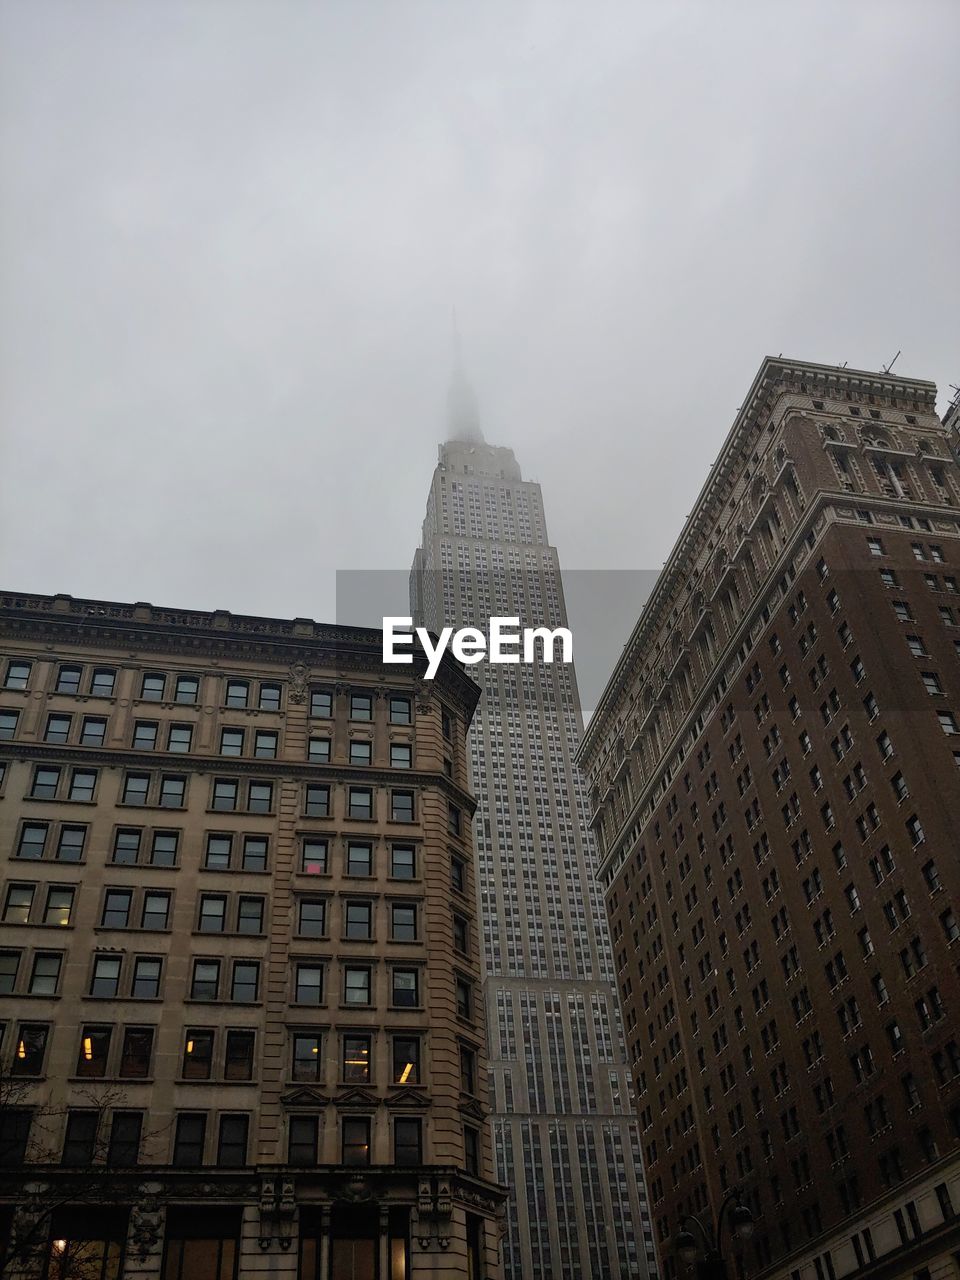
<point>887,368</point>
<point>842,366</point>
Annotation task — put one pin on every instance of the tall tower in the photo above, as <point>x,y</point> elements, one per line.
<point>559,1088</point>
<point>774,777</point>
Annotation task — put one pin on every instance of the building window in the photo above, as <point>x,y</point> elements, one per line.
<point>464,998</point>
<point>356,985</point>
<point>407,1141</point>
<point>31,1046</point>
<point>403,862</point>
<point>145,735</point>
<point>458,874</point>
<point>355,1068</point>
<point>238,1057</point>
<point>361,706</point>
<point>163,849</point>
<point>68,680</point>
<point>265,744</point>
<point>187,690</point>
<point>360,803</point>
<point>8,725</point>
<point>318,751</point>
<point>70,844</point>
<point>360,752</point>
<point>225,792</point>
<point>401,806</point>
<point>219,852</point>
<point>250,915</point>
<point>197,1061</point>
<point>153,686</point>
<point>321,703</point>
<point>358,920</point>
<point>57,730</point>
<point>403,922</point>
<point>116,909</point>
<point>302,1147</point>
<point>359,859</point>
<point>59,906</point>
<point>255,853</point>
<point>355,1140</point>
<point>206,980</point>
<point>260,799</point>
<point>246,981</point>
<point>80,1140</point>
<point>317,802</point>
<point>156,911</point>
<point>406,1059</point>
<point>146,978</point>
<point>33,839</point>
<point>232,1142</point>
<point>105,980</point>
<point>19,900</point>
<point>237,694</point>
<point>83,783</point>
<point>231,742</point>
<point>18,675</point>
<point>188,1140</point>
<point>461,934</point>
<point>101,682</point>
<point>45,783</point>
<point>471,1150</point>
<point>94,1049</point>
<point>453,819</point>
<point>136,1052</point>
<point>123,1148</point>
<point>468,1069</point>
<point>93,731</point>
<point>135,788</point>
<point>401,755</point>
<point>307,1062</point>
<point>312,918</point>
<point>213,913</point>
<point>270,697</point>
<point>9,964</point>
<point>180,738</point>
<point>14,1136</point>
<point>400,710</point>
<point>405,989</point>
<point>309,984</point>
<point>313,861</point>
<point>45,974</point>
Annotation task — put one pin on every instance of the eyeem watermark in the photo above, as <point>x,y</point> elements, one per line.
<point>469,645</point>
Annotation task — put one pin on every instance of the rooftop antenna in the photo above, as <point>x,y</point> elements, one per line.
<point>842,366</point>
<point>887,368</point>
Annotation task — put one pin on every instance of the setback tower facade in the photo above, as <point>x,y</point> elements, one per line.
<point>564,1134</point>
<point>775,779</point>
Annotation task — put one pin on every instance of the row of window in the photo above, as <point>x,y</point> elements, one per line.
<point>158,686</point>
<point>149,735</point>
<point>135,977</point>
<point>85,1143</point>
<point>224,851</point>
<point>151,909</point>
<point>228,795</point>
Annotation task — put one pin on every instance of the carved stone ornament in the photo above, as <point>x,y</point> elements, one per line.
<point>146,1219</point>
<point>298,682</point>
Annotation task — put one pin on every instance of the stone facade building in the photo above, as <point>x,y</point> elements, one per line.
<point>565,1136</point>
<point>239,968</point>
<point>775,780</point>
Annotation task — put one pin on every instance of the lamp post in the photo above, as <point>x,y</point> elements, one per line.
<point>706,1252</point>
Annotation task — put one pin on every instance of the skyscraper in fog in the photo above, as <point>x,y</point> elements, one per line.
<point>560,1092</point>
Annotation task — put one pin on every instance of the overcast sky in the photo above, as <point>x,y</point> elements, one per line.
<point>232,235</point>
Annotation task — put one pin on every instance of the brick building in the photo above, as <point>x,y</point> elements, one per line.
<point>775,781</point>
<point>243,1021</point>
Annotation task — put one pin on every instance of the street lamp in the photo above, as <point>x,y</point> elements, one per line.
<point>711,1266</point>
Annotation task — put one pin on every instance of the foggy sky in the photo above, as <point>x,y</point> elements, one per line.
<point>232,235</point>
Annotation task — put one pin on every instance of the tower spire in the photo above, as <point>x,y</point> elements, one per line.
<point>463,415</point>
